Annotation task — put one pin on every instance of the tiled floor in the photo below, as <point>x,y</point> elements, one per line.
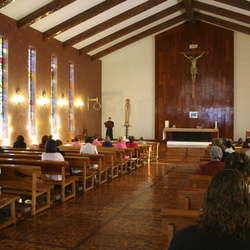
<point>122,214</point>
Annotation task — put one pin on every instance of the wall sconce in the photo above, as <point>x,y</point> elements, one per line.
<point>63,102</point>
<point>78,103</point>
<point>97,106</point>
<point>18,98</point>
<point>43,100</point>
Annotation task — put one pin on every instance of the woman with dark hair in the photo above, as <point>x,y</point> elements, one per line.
<point>19,143</point>
<point>51,154</point>
<point>239,161</point>
<point>224,221</point>
<point>45,138</point>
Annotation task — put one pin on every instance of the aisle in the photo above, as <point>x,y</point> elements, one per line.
<point>122,214</point>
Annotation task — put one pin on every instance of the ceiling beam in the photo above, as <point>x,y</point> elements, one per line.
<point>140,36</point>
<point>243,4</point>
<point>4,3</point>
<point>132,28</point>
<point>46,10</point>
<point>222,12</point>
<point>113,21</point>
<point>94,11</point>
<point>189,11</point>
<point>222,23</point>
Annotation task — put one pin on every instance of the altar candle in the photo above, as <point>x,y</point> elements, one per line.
<point>215,124</point>
<point>166,124</point>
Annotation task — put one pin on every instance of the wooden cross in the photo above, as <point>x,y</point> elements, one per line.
<point>193,60</point>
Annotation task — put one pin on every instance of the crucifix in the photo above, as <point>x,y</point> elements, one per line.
<point>190,55</point>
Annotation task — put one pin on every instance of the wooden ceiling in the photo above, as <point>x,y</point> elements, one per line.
<point>99,27</point>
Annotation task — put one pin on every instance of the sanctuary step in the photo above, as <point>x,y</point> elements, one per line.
<point>187,144</point>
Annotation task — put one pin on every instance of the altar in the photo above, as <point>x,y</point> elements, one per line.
<point>190,134</point>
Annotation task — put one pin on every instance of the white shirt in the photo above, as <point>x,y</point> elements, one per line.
<point>88,149</point>
<point>229,150</point>
<point>53,157</point>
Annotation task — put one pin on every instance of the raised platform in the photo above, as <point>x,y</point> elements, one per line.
<point>187,144</point>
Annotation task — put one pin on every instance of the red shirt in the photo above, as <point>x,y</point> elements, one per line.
<point>132,145</point>
<point>210,168</point>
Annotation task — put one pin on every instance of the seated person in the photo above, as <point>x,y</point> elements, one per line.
<point>141,141</point>
<point>51,154</point>
<point>19,143</point>
<point>219,142</point>
<point>88,148</point>
<point>239,161</point>
<point>107,142</point>
<point>214,165</point>
<point>45,138</point>
<point>229,146</point>
<point>95,141</point>
<point>76,143</point>
<point>121,143</point>
<point>224,218</point>
<point>59,144</point>
<point>131,143</point>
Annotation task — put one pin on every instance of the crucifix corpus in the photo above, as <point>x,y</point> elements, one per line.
<point>190,55</point>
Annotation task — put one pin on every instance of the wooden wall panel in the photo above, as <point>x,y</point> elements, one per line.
<point>214,87</point>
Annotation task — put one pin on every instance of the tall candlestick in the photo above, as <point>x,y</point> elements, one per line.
<point>215,124</point>
<point>166,124</point>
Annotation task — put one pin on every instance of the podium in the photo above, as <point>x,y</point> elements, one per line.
<point>108,124</point>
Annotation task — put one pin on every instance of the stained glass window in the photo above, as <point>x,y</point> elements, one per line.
<point>3,88</point>
<point>31,90</point>
<point>71,99</point>
<point>53,73</point>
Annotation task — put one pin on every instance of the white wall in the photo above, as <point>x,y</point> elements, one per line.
<point>241,85</point>
<point>129,73</point>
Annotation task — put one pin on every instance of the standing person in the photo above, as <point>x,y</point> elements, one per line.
<point>224,220</point>
<point>19,143</point>
<point>109,125</point>
<point>51,154</point>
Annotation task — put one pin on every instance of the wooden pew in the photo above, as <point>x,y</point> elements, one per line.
<point>102,170</point>
<point>25,181</point>
<point>82,163</point>
<point>8,200</point>
<point>199,181</point>
<point>190,198</point>
<point>49,167</point>
<point>78,163</point>
<point>175,219</point>
<point>119,157</point>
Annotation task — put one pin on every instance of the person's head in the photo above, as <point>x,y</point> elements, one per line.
<point>225,207</point>
<point>95,137</point>
<point>141,139</point>
<point>50,137</point>
<point>51,146</point>
<point>20,138</point>
<point>245,145</point>
<point>228,144</point>
<point>131,138</point>
<point>239,161</point>
<point>240,141</point>
<point>89,139</point>
<point>45,138</point>
<point>216,153</point>
<point>109,118</point>
<point>107,139</point>
<point>76,138</point>
<point>217,142</point>
<point>120,139</point>
<point>58,143</point>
